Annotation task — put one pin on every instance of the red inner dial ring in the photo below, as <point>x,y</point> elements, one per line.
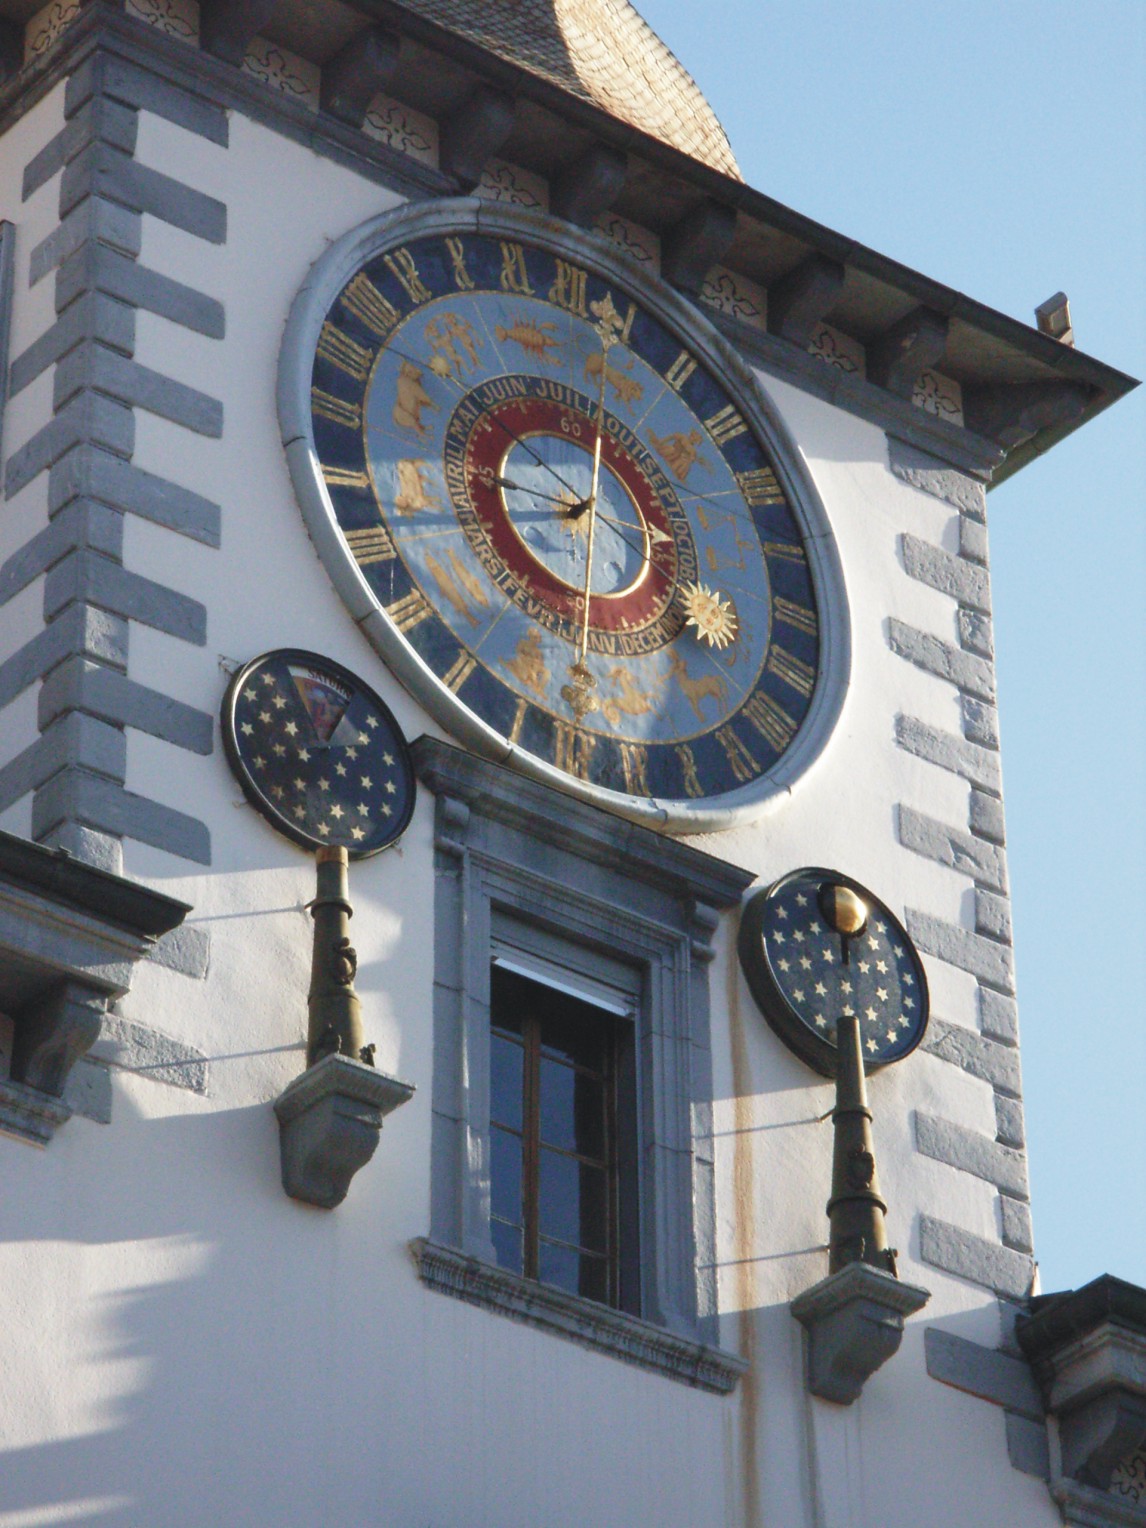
<point>499,545</point>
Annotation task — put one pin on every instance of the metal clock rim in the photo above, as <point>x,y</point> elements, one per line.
<point>785,1021</point>
<point>327,277</point>
<point>250,786</point>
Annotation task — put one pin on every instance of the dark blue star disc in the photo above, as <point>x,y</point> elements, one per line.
<point>805,974</point>
<point>318,752</point>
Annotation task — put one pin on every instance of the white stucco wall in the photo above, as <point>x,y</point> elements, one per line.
<point>182,1343</point>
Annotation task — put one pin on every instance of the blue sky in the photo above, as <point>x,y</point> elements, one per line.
<point>1001,148</point>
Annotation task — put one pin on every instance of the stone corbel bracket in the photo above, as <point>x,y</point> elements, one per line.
<point>854,1321</point>
<point>330,1119</point>
<point>1087,1351</point>
<point>70,937</point>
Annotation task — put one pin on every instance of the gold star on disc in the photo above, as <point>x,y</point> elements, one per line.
<point>713,617</point>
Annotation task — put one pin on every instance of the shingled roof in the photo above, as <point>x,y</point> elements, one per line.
<point>602,51</point>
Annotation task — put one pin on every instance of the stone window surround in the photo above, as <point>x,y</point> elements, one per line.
<point>561,876</point>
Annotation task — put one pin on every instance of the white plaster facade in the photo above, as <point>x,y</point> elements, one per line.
<point>182,1343</point>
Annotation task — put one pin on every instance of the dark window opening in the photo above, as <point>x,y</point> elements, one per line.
<point>563,1132</point>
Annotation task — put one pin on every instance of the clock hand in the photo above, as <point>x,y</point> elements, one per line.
<point>577,693</point>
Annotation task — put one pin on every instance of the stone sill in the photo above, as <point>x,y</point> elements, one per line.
<point>1085,1507</point>
<point>594,1326</point>
<point>30,1114</point>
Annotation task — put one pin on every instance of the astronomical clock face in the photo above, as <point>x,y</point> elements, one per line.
<point>565,526</point>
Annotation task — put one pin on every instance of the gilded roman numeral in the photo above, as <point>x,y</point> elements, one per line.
<point>408,611</point>
<point>459,671</point>
<point>635,763</point>
<point>725,425</point>
<point>518,720</point>
<point>341,351</point>
<point>457,253</point>
<point>692,785</point>
<point>572,749</point>
<point>787,551</point>
<point>744,766</point>
<point>771,721</point>
<point>680,371</point>
<point>799,675</point>
<point>760,486</point>
<point>365,301</point>
<point>569,289</point>
<point>373,544</point>
<point>795,615</point>
<point>345,477</point>
<point>335,409</point>
<point>514,276</point>
<point>401,263</point>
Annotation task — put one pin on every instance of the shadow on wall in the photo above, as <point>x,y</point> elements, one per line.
<point>174,1387</point>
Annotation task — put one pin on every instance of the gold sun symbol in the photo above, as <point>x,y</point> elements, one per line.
<point>714,618</point>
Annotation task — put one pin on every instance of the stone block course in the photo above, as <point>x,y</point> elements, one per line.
<point>87,576</point>
<point>993,916</point>
<point>976,633</point>
<point>122,81</point>
<point>987,817</point>
<point>96,219</point>
<point>94,366</point>
<point>973,539</point>
<point>980,722</point>
<point>96,474</point>
<point>943,659</point>
<point>949,846</point>
<point>978,765</point>
<point>94,316</point>
<point>983,958</point>
<point>975,1258</point>
<point>95,267</point>
<point>1017,1230</point>
<point>1009,1129</point>
<point>963,581</point>
<point>976,1055</point>
<point>78,685</point>
<point>87,418</point>
<point>982,1371</point>
<point>972,1153</point>
<point>103,171</point>
<point>74,796</point>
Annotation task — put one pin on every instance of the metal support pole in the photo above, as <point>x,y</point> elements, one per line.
<point>856,1209</point>
<point>335,1026</point>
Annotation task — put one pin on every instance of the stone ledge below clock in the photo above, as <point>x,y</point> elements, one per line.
<point>594,1326</point>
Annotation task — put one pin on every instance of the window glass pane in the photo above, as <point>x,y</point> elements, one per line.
<point>505,1091</point>
<point>507,1245</point>
<point>505,1175</point>
<point>572,1109</point>
<point>578,1272</point>
<point>560,1266</point>
<point>573,1201</point>
<point>508,997</point>
<point>573,1031</point>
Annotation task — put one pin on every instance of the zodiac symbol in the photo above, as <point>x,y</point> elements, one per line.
<point>535,339</point>
<point>708,687</point>
<point>454,344</point>
<point>412,492</point>
<point>627,389</point>
<point>629,702</point>
<point>680,451</point>
<point>527,665</point>
<point>411,399</point>
<point>449,590</point>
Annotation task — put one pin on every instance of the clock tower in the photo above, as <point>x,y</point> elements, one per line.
<point>505,926</point>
